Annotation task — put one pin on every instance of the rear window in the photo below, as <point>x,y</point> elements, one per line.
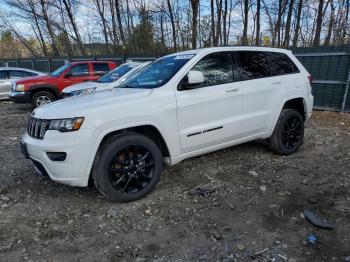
<point>100,69</point>
<point>281,64</point>
<point>253,65</point>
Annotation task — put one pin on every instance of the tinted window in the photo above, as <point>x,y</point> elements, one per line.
<point>157,73</point>
<point>18,73</point>
<point>116,73</point>
<point>3,75</point>
<point>217,69</point>
<point>79,70</point>
<point>253,65</point>
<point>100,69</point>
<point>281,64</point>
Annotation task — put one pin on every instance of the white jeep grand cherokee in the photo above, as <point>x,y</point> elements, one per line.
<point>179,106</point>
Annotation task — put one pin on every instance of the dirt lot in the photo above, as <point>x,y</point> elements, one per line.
<point>257,205</point>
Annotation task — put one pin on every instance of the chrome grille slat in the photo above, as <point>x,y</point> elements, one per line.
<point>37,127</point>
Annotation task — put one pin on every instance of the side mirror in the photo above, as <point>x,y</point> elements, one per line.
<point>68,75</point>
<point>195,78</point>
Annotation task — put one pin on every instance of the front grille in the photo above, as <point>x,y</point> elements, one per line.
<point>37,127</point>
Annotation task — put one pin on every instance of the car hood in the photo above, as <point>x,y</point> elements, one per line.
<point>82,86</point>
<point>78,106</point>
<point>36,79</point>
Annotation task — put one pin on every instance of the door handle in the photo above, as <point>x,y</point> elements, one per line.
<point>277,82</point>
<point>232,90</point>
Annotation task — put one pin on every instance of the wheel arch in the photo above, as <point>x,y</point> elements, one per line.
<point>298,104</point>
<point>48,88</point>
<point>148,130</point>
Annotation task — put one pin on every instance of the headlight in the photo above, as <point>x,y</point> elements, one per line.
<point>19,88</point>
<point>83,91</point>
<point>67,124</point>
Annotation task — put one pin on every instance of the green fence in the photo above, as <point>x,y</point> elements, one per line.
<point>51,64</point>
<point>329,67</point>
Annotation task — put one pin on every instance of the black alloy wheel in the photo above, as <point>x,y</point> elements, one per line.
<point>292,133</point>
<point>128,167</point>
<point>288,134</point>
<point>131,169</point>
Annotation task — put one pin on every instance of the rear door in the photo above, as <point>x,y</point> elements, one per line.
<point>261,92</point>
<point>210,114</point>
<point>77,74</point>
<point>5,83</point>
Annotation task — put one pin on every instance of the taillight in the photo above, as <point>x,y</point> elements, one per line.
<point>310,79</point>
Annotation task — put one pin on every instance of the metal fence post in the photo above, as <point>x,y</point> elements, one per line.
<point>346,91</point>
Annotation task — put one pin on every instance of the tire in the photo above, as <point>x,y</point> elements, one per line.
<point>42,98</point>
<point>111,172</point>
<point>285,138</point>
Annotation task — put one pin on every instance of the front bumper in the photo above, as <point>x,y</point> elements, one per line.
<point>19,97</point>
<point>75,169</point>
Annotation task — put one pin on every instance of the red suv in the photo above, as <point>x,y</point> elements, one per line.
<point>42,90</point>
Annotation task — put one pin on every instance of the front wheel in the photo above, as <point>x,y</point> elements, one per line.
<point>128,168</point>
<point>42,98</point>
<point>288,134</point>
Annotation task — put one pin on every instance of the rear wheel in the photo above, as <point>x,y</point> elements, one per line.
<point>288,134</point>
<point>128,168</point>
<point>42,98</point>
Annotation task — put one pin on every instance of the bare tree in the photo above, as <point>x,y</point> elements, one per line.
<point>319,18</point>
<point>194,6</point>
<point>297,27</point>
<point>245,22</point>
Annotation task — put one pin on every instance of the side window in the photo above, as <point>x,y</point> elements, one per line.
<point>79,71</point>
<point>19,73</point>
<point>281,64</point>
<point>217,69</point>
<point>253,65</point>
<point>3,75</point>
<point>100,69</point>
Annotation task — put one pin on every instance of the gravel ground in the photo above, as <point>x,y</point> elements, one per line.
<point>254,204</point>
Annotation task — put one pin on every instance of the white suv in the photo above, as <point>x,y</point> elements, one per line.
<point>179,106</point>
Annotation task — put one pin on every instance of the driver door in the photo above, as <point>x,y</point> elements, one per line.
<point>211,114</point>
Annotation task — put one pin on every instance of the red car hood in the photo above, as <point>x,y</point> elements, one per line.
<point>36,79</point>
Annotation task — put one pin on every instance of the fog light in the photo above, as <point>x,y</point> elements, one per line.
<point>57,156</point>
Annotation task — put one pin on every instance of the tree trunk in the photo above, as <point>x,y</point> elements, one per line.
<point>212,16</point>
<point>297,27</point>
<point>318,24</point>
<point>101,11</point>
<point>119,19</point>
<point>67,5</point>
<point>194,5</point>
<point>257,36</point>
<point>114,25</point>
<point>49,28</point>
<point>330,25</point>
<point>288,24</point>
<point>218,23</point>
<point>245,22</point>
<point>172,21</point>
<point>224,20</point>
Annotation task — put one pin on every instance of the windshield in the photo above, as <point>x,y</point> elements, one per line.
<point>60,70</point>
<point>116,73</point>
<point>157,73</point>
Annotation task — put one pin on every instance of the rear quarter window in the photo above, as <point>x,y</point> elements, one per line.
<point>101,69</point>
<point>281,64</point>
